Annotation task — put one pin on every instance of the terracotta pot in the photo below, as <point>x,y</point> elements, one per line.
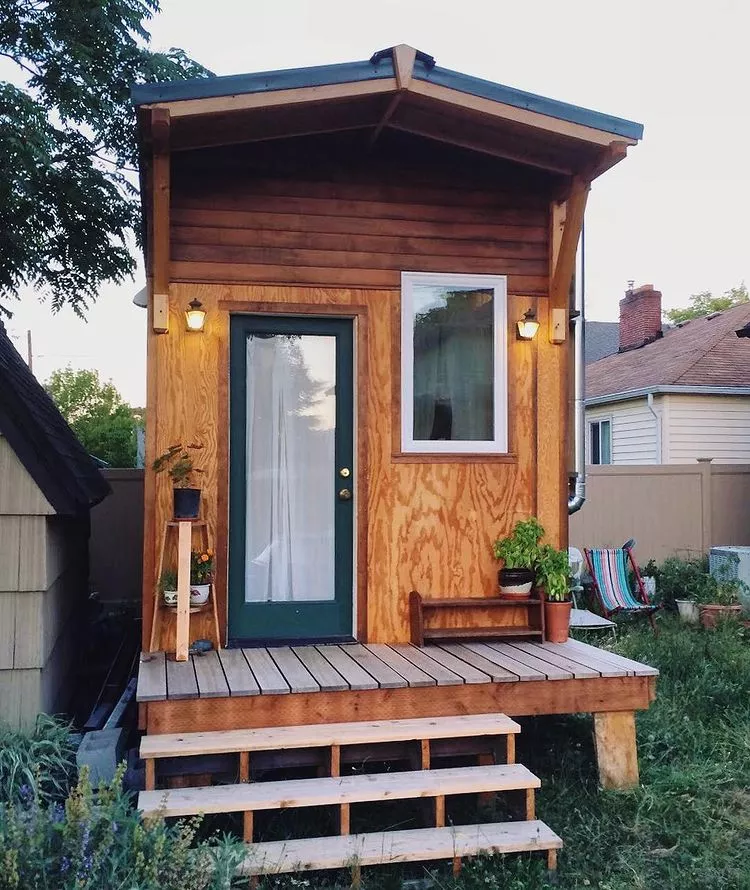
<point>711,613</point>
<point>515,583</point>
<point>187,503</point>
<point>556,621</point>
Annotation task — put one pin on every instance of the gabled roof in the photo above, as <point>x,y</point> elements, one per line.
<point>602,339</point>
<point>702,353</point>
<point>400,88</point>
<point>41,439</point>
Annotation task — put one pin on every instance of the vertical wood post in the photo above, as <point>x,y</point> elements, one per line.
<point>616,751</point>
<point>184,537</point>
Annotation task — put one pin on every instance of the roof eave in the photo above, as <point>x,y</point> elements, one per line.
<point>630,394</point>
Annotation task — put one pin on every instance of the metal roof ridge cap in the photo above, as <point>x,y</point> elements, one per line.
<point>518,98</point>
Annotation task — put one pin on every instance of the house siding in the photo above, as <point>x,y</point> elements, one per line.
<point>634,431</point>
<point>716,427</point>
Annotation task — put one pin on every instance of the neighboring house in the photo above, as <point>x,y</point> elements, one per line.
<point>47,485</point>
<point>602,339</point>
<point>670,396</point>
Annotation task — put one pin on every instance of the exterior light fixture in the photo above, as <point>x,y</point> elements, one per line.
<point>528,325</point>
<point>195,316</point>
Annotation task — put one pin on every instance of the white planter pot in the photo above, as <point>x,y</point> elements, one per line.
<point>518,590</point>
<point>688,611</point>
<point>170,597</point>
<point>199,594</point>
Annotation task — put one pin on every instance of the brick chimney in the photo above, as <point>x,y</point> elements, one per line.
<point>640,317</point>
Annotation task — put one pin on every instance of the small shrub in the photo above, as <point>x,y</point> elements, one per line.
<point>97,840</point>
<point>685,579</point>
<point>41,763</point>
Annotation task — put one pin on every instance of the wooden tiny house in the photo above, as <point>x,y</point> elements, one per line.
<point>364,239</point>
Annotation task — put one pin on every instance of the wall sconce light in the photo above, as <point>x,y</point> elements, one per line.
<point>528,325</point>
<point>195,316</point>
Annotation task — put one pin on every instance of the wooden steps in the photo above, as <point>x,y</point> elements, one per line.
<point>415,845</point>
<point>334,790</point>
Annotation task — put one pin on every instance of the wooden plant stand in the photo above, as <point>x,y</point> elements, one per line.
<point>184,529</point>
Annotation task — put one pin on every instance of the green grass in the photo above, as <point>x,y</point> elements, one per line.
<point>688,824</point>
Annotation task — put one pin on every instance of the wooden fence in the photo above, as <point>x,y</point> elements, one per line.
<point>671,509</point>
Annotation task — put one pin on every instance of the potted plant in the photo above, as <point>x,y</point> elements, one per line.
<point>178,463</point>
<point>519,553</point>
<point>201,575</point>
<point>553,579</point>
<point>168,587</point>
<point>720,600</point>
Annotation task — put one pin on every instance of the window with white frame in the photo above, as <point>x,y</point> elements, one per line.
<point>454,387</point>
<point>600,442</point>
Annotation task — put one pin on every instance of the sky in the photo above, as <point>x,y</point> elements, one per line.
<point>674,213</point>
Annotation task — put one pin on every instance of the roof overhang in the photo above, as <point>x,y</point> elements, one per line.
<point>630,394</point>
<point>398,88</point>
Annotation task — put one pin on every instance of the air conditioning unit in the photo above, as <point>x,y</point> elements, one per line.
<point>732,564</point>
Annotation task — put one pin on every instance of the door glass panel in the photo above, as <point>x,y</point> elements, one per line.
<point>290,472</point>
<point>453,363</point>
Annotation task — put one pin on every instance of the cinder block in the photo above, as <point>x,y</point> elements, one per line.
<point>101,751</point>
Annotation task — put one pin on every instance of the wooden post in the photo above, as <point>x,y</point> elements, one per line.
<point>530,804</point>
<point>510,748</point>
<point>424,748</point>
<point>150,774</point>
<point>244,766</point>
<point>184,537</point>
<point>247,827</point>
<point>616,751</point>
<point>440,811</point>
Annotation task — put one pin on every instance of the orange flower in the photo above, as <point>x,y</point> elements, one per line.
<point>204,558</point>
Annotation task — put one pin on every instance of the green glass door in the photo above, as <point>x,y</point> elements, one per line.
<point>291,495</point>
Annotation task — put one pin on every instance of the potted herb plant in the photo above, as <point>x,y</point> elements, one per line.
<point>519,553</point>
<point>168,587</point>
<point>178,463</point>
<point>201,575</point>
<point>553,579</point>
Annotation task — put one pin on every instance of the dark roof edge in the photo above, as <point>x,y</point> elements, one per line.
<point>353,72</point>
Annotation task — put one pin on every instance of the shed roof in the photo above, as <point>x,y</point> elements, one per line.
<point>41,439</point>
<point>400,88</point>
<point>704,352</point>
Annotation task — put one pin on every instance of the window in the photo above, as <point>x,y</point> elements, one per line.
<point>600,442</point>
<point>453,363</point>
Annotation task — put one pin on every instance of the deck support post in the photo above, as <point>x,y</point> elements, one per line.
<point>616,751</point>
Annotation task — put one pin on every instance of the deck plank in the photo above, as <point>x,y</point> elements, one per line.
<point>413,675</point>
<point>638,669</point>
<point>237,671</point>
<point>385,675</point>
<point>208,672</point>
<point>409,845</point>
<point>604,667</point>
<point>152,677</point>
<point>270,679</point>
<point>181,682</point>
<point>324,673</point>
<point>355,676</point>
<point>579,671</point>
<point>496,673</point>
<point>467,672</point>
<point>521,670</point>
<point>295,673</point>
<point>550,671</point>
<point>443,676</point>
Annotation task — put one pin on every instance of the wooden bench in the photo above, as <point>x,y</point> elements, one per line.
<point>518,619</point>
<point>326,735</point>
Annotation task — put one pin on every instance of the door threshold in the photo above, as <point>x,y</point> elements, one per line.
<point>305,641</point>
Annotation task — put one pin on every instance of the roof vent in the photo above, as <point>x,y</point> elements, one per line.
<point>713,315</point>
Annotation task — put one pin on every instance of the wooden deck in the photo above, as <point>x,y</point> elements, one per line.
<point>297,685</point>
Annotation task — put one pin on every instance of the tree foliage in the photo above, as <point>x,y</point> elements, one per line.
<point>704,303</point>
<point>104,423</point>
<point>69,208</point>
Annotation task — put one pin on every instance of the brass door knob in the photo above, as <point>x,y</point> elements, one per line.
<point>345,494</point>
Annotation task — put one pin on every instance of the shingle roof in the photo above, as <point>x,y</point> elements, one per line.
<point>42,440</point>
<point>380,65</point>
<point>602,339</point>
<point>702,352</point>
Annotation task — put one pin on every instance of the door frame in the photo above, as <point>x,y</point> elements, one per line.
<point>359,315</point>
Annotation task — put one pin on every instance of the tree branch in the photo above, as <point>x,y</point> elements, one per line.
<point>31,71</point>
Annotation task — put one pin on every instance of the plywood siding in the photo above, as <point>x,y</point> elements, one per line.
<point>716,427</point>
<point>634,431</point>
<point>19,494</point>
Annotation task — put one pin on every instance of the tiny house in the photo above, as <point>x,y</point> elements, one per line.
<point>361,241</point>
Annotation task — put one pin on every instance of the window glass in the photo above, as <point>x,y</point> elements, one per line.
<point>606,442</point>
<point>595,452</point>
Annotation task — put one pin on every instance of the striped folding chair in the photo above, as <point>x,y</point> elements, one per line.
<point>609,572</point>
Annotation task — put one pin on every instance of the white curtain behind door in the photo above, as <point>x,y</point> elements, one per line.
<point>289,544</point>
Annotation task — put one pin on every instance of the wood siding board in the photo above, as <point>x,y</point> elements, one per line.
<point>237,671</point>
<point>7,629</point>
<point>19,494</point>
<point>10,538</point>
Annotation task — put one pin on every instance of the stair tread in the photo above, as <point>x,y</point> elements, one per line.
<point>323,735</point>
<point>336,790</point>
<point>419,844</point>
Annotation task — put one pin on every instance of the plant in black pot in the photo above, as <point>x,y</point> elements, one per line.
<point>177,461</point>
<point>553,579</point>
<point>519,553</point>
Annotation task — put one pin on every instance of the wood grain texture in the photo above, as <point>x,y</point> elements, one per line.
<point>616,751</point>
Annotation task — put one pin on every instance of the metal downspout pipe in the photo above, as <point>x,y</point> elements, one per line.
<point>577,496</point>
